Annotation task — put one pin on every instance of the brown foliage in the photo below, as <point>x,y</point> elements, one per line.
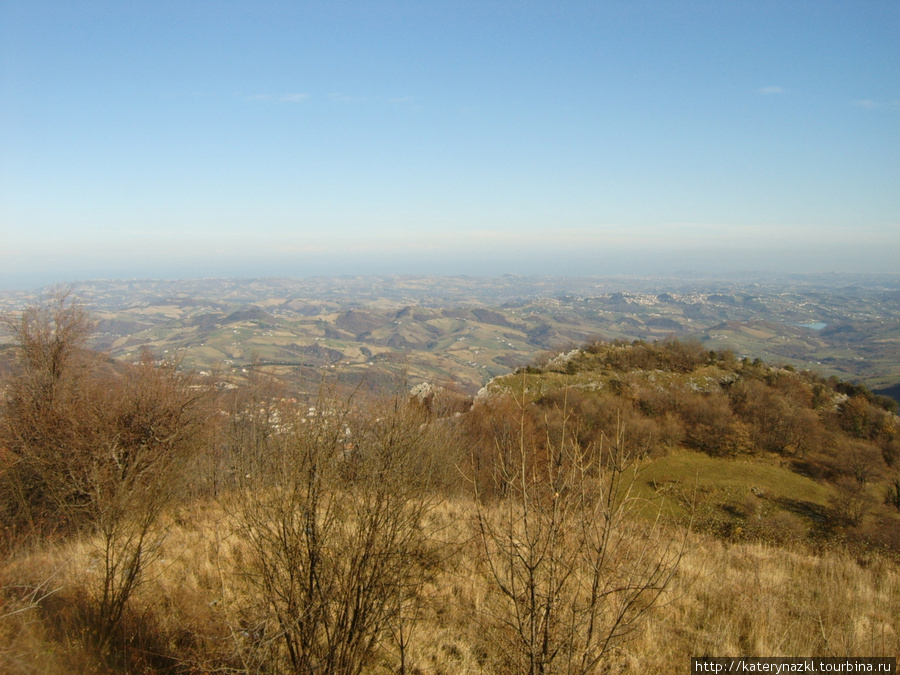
<point>860,417</point>
<point>672,355</point>
<point>492,431</point>
<point>711,426</point>
<point>781,419</point>
<point>94,449</point>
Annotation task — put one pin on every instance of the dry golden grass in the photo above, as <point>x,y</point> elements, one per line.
<point>755,599</point>
<point>727,599</point>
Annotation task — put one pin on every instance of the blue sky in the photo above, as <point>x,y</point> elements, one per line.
<point>192,139</point>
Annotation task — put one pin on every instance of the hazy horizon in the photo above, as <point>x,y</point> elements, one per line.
<point>189,140</point>
<point>643,263</point>
<point>677,277</point>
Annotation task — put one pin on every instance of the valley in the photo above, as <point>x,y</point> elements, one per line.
<point>466,330</point>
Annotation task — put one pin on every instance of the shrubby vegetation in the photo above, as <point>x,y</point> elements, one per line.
<point>674,395</point>
<point>582,515</point>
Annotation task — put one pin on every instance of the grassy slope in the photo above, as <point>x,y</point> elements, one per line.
<point>727,599</point>
<point>756,589</point>
<point>750,492</point>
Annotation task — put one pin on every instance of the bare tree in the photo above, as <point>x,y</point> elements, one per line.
<point>42,421</point>
<point>330,522</point>
<point>97,450</point>
<point>152,422</point>
<point>573,557</point>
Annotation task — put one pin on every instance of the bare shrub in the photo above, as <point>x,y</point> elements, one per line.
<point>331,522</point>
<point>846,457</point>
<point>588,419</point>
<point>572,557</point>
<point>892,492</point>
<point>779,424</point>
<point>670,354</point>
<point>862,418</point>
<point>890,450</point>
<point>710,425</point>
<point>96,451</point>
<point>151,423</point>
<point>849,504</point>
<point>493,429</point>
<point>43,422</point>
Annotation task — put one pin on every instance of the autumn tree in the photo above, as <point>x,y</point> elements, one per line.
<point>95,449</point>
<point>43,421</point>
